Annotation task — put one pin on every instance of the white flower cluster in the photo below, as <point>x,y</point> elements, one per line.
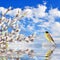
<point>14,35</point>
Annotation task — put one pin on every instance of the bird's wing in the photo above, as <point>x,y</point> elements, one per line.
<point>49,36</point>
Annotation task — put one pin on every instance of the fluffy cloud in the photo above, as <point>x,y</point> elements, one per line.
<point>40,19</point>
<point>2,9</point>
<point>55,12</point>
<point>40,11</point>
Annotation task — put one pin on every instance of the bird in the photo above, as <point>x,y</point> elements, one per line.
<point>48,54</point>
<point>49,37</point>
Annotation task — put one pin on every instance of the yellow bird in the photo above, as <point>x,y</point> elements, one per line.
<point>48,54</point>
<point>48,37</point>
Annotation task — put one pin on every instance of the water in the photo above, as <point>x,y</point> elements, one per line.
<point>41,52</point>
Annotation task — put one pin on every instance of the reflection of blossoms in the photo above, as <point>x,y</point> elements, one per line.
<point>7,37</point>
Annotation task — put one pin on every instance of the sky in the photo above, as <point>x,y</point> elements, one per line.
<point>43,15</point>
<point>32,3</point>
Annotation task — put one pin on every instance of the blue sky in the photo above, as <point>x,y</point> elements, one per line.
<point>33,3</point>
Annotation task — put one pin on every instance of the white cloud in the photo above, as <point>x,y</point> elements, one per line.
<point>40,11</point>
<point>3,10</point>
<point>28,12</point>
<point>56,28</point>
<point>55,12</point>
<point>30,27</point>
<point>35,14</point>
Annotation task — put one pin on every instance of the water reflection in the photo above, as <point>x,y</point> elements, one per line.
<point>36,53</point>
<point>49,53</point>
